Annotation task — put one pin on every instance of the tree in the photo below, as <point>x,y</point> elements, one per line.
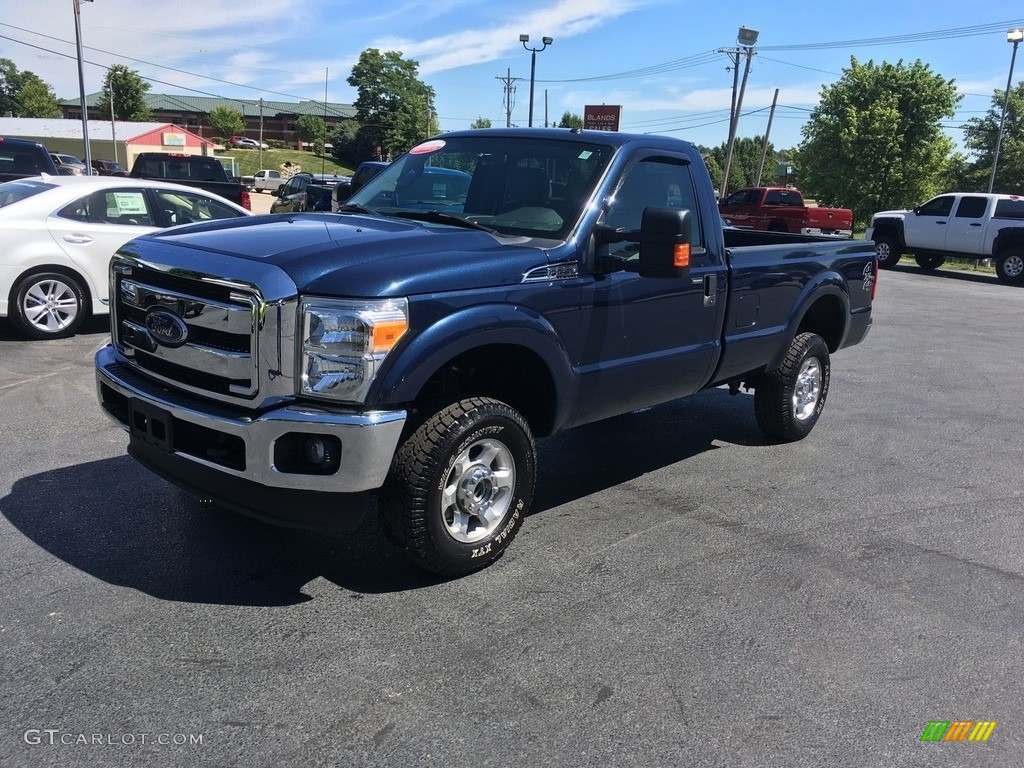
<point>25,94</point>
<point>10,82</point>
<point>36,98</point>
<point>226,121</point>
<point>875,141</point>
<point>393,104</point>
<point>129,95</point>
<point>311,128</point>
<point>481,122</point>
<point>570,120</point>
<point>980,135</point>
<point>746,158</point>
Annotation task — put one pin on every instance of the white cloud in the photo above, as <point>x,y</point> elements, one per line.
<point>564,18</point>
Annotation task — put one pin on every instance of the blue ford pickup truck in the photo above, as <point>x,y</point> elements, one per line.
<point>413,345</point>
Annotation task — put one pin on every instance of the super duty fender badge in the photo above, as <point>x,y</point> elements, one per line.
<point>166,328</point>
<point>869,276</point>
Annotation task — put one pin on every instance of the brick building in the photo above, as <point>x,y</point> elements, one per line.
<point>192,112</point>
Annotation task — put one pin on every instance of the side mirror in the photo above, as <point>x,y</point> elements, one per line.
<point>279,192</point>
<point>665,243</point>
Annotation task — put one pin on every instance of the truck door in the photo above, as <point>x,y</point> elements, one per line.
<point>965,230</point>
<point>663,332</point>
<point>926,227</point>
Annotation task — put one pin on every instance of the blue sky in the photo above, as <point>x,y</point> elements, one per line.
<point>282,49</point>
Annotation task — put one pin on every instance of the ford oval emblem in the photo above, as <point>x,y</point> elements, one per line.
<point>166,328</point>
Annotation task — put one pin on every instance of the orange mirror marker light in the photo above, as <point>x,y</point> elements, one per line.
<point>682,255</point>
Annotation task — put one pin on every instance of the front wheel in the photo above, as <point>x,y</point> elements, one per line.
<point>789,399</point>
<point>930,262</point>
<point>1010,266</point>
<point>887,251</point>
<point>460,486</point>
<point>48,305</point>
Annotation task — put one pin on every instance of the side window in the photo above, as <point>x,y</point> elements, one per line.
<point>971,207</point>
<point>123,206</point>
<point>1010,209</point>
<point>660,182</point>
<point>736,198</point>
<point>185,207</point>
<point>751,197</point>
<point>938,206</point>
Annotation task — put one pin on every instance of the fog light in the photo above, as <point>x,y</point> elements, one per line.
<point>300,453</point>
<point>316,451</point>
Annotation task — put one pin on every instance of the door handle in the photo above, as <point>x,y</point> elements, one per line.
<point>77,239</point>
<point>976,224</point>
<point>710,290</point>
<point>940,222</point>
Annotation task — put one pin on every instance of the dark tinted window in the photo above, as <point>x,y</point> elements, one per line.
<point>13,191</point>
<point>938,206</point>
<point>1006,209</point>
<point>971,207</point>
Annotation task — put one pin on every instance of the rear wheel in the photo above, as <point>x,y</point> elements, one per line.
<point>48,305</point>
<point>887,251</point>
<point>1010,266</point>
<point>789,400</point>
<point>930,262</point>
<point>460,486</point>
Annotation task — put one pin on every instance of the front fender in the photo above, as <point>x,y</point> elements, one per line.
<point>472,328</point>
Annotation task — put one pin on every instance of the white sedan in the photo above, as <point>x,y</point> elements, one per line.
<point>57,234</point>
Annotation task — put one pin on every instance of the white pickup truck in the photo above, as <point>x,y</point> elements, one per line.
<point>970,225</point>
<point>266,180</point>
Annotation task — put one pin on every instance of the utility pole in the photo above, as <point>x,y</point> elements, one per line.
<point>768,130</point>
<point>746,38</point>
<point>261,133</point>
<point>81,88</point>
<point>509,95</point>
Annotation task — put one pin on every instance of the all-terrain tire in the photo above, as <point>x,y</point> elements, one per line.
<point>460,486</point>
<point>930,263</point>
<point>1010,266</point>
<point>788,400</point>
<point>887,251</point>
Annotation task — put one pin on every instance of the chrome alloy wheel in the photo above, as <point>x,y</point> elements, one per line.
<point>478,490</point>
<point>50,305</point>
<point>807,390</point>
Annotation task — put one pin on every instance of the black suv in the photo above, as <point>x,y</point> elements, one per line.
<point>308,192</point>
<point>108,168</point>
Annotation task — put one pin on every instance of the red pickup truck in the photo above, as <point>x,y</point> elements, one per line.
<point>782,209</point>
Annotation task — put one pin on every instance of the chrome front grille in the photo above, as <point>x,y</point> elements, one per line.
<point>202,333</point>
<point>222,346</point>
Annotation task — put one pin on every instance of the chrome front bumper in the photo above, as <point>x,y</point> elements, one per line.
<point>211,430</point>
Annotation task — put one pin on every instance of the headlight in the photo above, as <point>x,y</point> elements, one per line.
<point>345,342</point>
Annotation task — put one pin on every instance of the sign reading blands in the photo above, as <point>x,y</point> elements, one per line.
<point>602,117</point>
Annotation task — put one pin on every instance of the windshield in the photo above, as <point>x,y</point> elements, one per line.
<point>13,191</point>
<point>516,186</point>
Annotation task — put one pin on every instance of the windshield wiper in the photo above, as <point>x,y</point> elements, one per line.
<point>353,208</point>
<point>442,218</point>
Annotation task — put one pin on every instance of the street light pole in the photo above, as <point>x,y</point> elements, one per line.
<point>747,38</point>
<point>524,39</point>
<point>1012,36</point>
<point>81,86</point>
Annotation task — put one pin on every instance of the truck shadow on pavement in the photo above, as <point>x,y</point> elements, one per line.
<point>116,522</point>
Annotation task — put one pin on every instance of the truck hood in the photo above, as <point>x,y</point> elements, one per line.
<point>349,255</point>
<point>890,214</point>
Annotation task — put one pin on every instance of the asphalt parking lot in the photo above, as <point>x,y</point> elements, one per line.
<point>684,593</point>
